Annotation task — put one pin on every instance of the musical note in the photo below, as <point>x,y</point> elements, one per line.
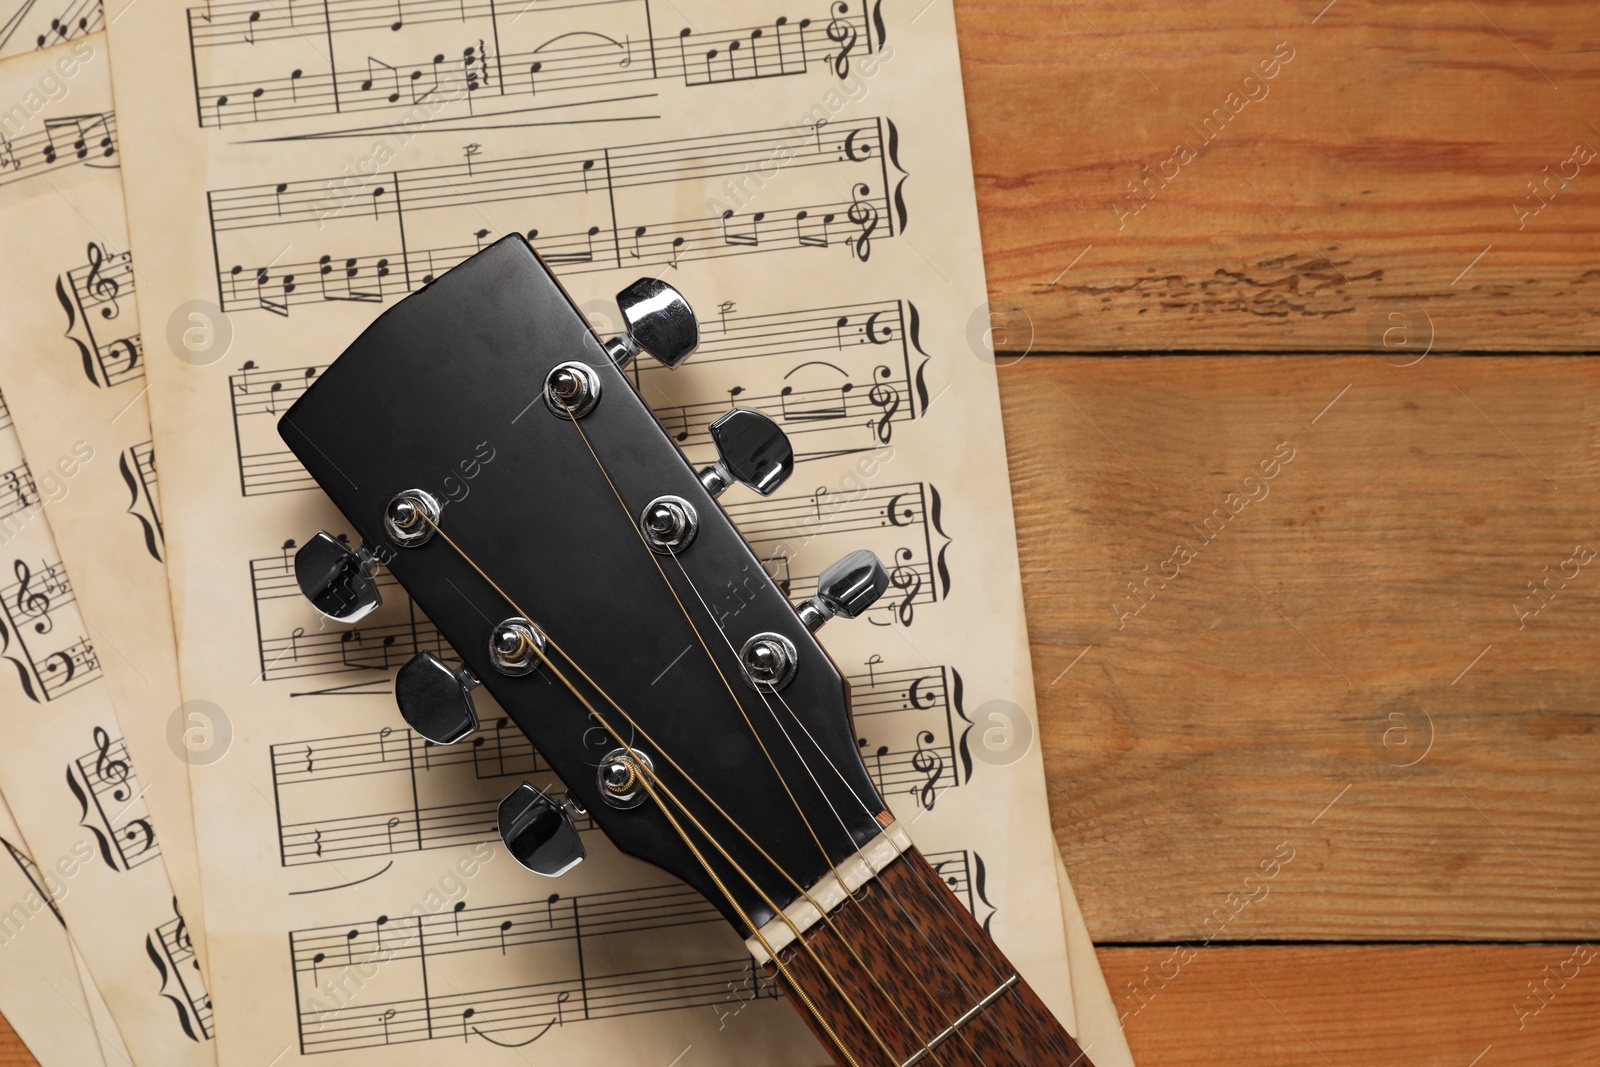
<point>821,206</point>
<point>700,964</point>
<point>749,239</point>
<point>392,73</point>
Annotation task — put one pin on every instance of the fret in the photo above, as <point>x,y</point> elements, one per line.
<point>930,984</point>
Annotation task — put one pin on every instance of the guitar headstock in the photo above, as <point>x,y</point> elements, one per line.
<point>491,451</point>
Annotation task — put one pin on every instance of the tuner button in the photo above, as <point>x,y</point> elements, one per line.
<point>660,323</point>
<point>538,833</point>
<point>847,588</point>
<point>436,700</point>
<point>516,646</point>
<point>752,450</point>
<point>336,578</point>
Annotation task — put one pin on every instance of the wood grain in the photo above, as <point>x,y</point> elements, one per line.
<point>863,996</point>
<point>1359,615</point>
<point>1378,1006</point>
<point>1383,159</point>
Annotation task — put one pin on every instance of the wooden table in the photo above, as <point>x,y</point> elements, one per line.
<point>1370,660</point>
<point>1345,663</point>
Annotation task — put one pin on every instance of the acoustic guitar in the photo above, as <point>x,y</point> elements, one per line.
<point>568,573</point>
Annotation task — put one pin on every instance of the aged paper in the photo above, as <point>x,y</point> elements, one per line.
<point>67,771</point>
<point>1099,1025</point>
<point>802,176</point>
<point>41,994</point>
<point>70,780</point>
<point>32,24</point>
<point>73,364</point>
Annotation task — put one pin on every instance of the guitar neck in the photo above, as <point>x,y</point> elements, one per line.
<point>903,974</point>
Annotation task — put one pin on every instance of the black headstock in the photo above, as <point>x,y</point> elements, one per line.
<point>489,450</point>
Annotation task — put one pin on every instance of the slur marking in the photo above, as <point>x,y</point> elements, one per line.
<point>966,1017</point>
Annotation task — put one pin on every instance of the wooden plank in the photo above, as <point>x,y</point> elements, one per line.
<point>13,1053</point>
<point>1364,604</point>
<point>1385,157</point>
<point>1388,1006</point>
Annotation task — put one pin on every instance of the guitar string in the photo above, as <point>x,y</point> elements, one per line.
<point>639,768</point>
<point>811,830</point>
<point>944,904</point>
<point>642,770</point>
<point>876,871</point>
<point>761,743</point>
<point>1047,1026</point>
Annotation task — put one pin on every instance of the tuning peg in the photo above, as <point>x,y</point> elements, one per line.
<point>538,832</point>
<point>660,324</point>
<point>849,587</point>
<point>336,578</point>
<point>435,699</point>
<point>752,450</point>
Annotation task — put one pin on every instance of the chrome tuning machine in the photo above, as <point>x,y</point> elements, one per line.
<point>538,831</point>
<point>750,449</point>
<point>436,699</point>
<point>660,324</point>
<point>336,578</point>
<point>847,588</point>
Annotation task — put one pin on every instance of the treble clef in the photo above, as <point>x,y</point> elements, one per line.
<point>864,214</point>
<point>907,581</point>
<point>31,603</point>
<point>886,399</point>
<point>103,288</point>
<point>928,763</point>
<point>111,770</point>
<point>843,34</point>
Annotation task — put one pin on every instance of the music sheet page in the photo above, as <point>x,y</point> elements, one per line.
<point>72,785</point>
<point>79,786</point>
<point>799,169</point>
<point>1099,1031</point>
<point>74,368</point>
<point>31,25</point>
<point>41,993</point>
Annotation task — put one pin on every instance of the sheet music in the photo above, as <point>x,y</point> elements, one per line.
<point>41,994</point>
<point>77,797</point>
<point>800,173</point>
<point>82,792</point>
<point>58,127</point>
<point>36,24</point>
<point>75,357</point>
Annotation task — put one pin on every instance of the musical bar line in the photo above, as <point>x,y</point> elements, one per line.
<point>839,380</point>
<point>388,792</point>
<point>838,185</point>
<point>508,974</point>
<point>467,62</point>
